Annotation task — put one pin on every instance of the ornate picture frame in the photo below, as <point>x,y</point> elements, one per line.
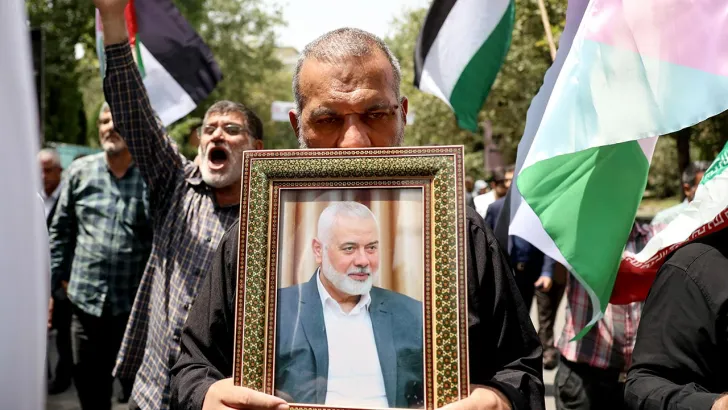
<point>436,172</point>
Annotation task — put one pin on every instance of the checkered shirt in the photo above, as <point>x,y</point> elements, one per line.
<point>187,227</point>
<point>609,344</point>
<point>100,237</point>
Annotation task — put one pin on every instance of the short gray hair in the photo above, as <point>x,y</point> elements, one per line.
<point>329,215</point>
<point>688,176</point>
<point>254,124</point>
<point>52,154</point>
<point>104,107</point>
<point>340,44</point>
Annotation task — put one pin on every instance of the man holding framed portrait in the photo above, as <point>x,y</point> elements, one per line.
<point>346,86</point>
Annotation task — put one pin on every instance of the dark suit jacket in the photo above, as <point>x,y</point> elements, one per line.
<point>494,209</point>
<point>302,360</point>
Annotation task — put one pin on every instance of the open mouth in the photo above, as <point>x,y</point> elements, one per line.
<point>217,157</point>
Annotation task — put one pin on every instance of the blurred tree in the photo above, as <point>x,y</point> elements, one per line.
<point>65,23</point>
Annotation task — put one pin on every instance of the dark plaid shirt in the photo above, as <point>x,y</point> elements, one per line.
<point>187,227</point>
<point>100,236</point>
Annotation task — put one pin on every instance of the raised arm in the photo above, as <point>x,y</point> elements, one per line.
<point>134,119</point>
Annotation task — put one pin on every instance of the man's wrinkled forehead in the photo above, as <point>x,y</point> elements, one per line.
<point>352,80</point>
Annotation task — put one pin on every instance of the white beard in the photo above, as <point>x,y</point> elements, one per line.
<point>343,282</point>
<point>113,148</point>
<point>227,178</point>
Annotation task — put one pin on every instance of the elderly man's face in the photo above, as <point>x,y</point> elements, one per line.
<point>349,104</point>
<point>51,173</point>
<point>110,140</point>
<point>351,258</point>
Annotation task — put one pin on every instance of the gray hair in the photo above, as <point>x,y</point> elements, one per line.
<point>104,107</point>
<point>329,215</point>
<point>340,44</point>
<point>254,124</point>
<point>52,154</point>
<point>688,176</point>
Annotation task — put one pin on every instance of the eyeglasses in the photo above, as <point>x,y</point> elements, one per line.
<point>230,129</point>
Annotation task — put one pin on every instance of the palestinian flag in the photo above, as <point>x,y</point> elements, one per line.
<point>460,50</point>
<point>178,68</point>
<point>591,130</point>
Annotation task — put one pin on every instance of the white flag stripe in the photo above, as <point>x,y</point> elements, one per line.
<point>468,25</point>
<point>171,101</point>
<point>525,223</point>
<point>23,239</point>
<point>710,200</point>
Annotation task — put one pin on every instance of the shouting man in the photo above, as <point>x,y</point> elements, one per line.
<point>191,206</point>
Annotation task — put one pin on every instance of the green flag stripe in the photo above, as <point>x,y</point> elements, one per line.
<point>473,85</point>
<point>587,202</point>
<point>140,62</point>
<point>719,165</point>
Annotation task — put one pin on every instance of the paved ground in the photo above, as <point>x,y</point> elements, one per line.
<point>68,400</point>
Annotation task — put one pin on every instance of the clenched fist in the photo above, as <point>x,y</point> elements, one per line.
<point>108,8</point>
<point>112,19</point>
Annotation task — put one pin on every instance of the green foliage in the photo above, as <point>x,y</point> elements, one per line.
<point>709,137</point>
<point>522,73</point>
<point>664,178</point>
<point>64,23</point>
<point>180,133</point>
<point>241,35</point>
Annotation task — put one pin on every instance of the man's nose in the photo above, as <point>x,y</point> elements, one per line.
<point>355,133</point>
<point>361,258</point>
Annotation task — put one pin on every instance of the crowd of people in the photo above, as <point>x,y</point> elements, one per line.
<point>144,244</point>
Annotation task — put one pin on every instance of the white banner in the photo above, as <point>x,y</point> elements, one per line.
<point>24,250</point>
<point>279,110</point>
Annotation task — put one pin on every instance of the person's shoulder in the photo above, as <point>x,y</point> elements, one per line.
<point>398,300</point>
<point>475,226</point>
<point>705,261</point>
<point>85,164</point>
<point>289,297</point>
<point>231,235</point>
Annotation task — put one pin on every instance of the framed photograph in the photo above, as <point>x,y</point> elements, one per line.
<point>351,287</point>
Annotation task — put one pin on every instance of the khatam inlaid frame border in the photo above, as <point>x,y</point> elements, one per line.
<point>438,171</point>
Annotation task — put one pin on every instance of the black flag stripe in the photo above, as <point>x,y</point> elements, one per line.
<point>433,22</point>
<point>177,47</point>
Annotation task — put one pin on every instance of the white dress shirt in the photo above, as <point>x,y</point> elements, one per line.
<point>355,374</point>
<point>482,202</point>
<point>49,201</point>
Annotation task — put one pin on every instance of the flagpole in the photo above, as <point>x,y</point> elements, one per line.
<point>547,29</point>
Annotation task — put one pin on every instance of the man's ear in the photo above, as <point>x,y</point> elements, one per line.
<point>405,108</point>
<point>257,144</point>
<point>318,250</point>
<point>293,118</point>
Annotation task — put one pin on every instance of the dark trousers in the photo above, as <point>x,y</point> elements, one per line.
<point>96,342</point>
<point>524,282</point>
<point>582,387</point>
<point>548,304</point>
<point>62,324</point>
